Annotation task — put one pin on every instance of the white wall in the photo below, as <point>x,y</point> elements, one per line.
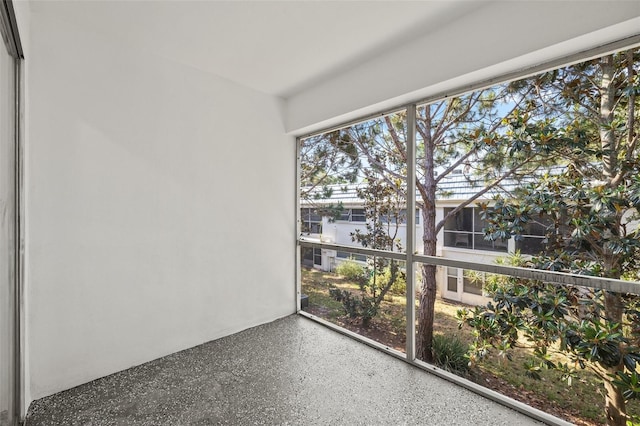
<point>150,187</point>
<point>497,38</point>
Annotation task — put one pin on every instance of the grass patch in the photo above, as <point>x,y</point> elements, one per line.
<point>388,327</point>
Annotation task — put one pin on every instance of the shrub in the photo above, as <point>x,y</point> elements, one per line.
<point>351,270</point>
<point>450,353</point>
<point>399,287</point>
<point>354,307</point>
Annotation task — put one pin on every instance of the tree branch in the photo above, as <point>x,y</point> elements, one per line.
<point>396,139</point>
<point>480,193</point>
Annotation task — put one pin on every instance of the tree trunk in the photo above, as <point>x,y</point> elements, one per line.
<point>428,287</point>
<point>383,292</point>
<point>426,314</point>
<point>614,406</point>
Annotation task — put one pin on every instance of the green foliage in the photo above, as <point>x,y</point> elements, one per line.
<point>633,420</point>
<point>556,320</point>
<point>352,270</point>
<point>630,382</point>
<point>581,124</point>
<point>450,353</point>
<point>355,307</point>
<point>373,288</point>
<point>383,202</point>
<point>589,209</point>
<point>397,284</point>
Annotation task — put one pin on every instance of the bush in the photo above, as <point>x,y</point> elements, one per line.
<point>399,287</point>
<point>354,307</point>
<point>450,353</point>
<point>351,270</point>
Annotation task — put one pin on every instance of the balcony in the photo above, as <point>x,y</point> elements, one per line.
<point>147,197</point>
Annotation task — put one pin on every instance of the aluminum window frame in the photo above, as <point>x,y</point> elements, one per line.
<point>413,259</point>
<point>472,234</point>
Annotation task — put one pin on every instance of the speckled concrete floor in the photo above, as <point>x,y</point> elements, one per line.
<point>292,371</point>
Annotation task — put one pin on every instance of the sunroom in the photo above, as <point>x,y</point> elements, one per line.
<point>152,165</point>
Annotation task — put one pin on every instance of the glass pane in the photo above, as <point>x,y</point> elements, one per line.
<point>549,154</point>
<point>478,223</point>
<point>358,215</point>
<point>358,204</point>
<point>457,239</point>
<point>461,221</point>
<point>353,256</point>
<point>363,294</point>
<point>450,223</point>
<point>533,334</point>
<point>452,284</point>
<point>473,282</point>
<point>307,256</point>
<point>452,279</point>
<point>530,245</point>
<point>537,227</point>
<point>480,243</point>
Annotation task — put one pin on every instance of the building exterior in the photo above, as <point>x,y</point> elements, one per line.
<point>461,238</point>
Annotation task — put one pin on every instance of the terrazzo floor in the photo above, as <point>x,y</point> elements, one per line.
<point>292,371</point>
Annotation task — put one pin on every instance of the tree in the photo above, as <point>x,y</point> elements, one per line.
<point>469,132</point>
<point>591,208</point>
<point>465,132</point>
<point>325,162</point>
<point>383,203</point>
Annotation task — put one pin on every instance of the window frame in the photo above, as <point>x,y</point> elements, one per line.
<point>471,235</point>
<point>412,259</point>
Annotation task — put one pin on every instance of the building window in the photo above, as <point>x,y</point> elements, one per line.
<point>353,256</point>
<point>472,282</point>
<point>311,221</point>
<point>312,257</point>
<point>353,215</point>
<point>532,241</point>
<point>452,279</point>
<point>358,215</point>
<point>403,217</point>
<point>465,230</point>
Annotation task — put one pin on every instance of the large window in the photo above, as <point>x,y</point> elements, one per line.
<point>532,240</point>
<point>311,221</point>
<point>464,229</point>
<point>400,217</point>
<point>352,256</point>
<point>520,166</point>
<point>353,215</point>
<point>312,257</point>
<point>356,179</point>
